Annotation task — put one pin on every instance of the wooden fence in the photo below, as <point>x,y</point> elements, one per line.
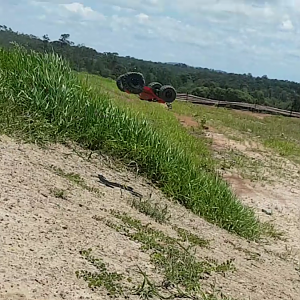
<point>237,105</point>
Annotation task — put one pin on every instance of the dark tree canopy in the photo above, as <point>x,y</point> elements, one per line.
<point>186,79</point>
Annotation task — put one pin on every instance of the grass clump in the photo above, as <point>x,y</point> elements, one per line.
<point>74,178</point>
<point>187,236</point>
<point>41,99</point>
<point>155,210</point>
<point>59,193</point>
<point>102,277</point>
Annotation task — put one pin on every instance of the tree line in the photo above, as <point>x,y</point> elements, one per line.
<point>198,81</point>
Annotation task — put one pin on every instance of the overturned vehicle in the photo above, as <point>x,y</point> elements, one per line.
<point>134,83</point>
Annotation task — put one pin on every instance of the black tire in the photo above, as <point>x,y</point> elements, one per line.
<point>155,86</point>
<point>120,83</point>
<point>167,93</point>
<point>133,82</point>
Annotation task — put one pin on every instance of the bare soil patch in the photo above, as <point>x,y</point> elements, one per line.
<point>187,121</point>
<point>220,142</point>
<point>46,219</point>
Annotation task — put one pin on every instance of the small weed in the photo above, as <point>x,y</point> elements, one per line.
<point>187,236</point>
<point>250,255</point>
<point>287,254</point>
<point>155,211</point>
<point>101,278</point>
<point>203,122</point>
<point>75,178</point>
<point>147,289</point>
<point>58,193</point>
<point>181,267</point>
<point>70,176</point>
<point>268,229</point>
<point>224,266</point>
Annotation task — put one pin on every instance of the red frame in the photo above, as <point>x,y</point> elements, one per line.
<point>148,95</point>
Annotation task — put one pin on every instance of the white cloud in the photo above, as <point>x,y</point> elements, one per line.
<point>82,11</point>
<point>122,9</point>
<point>142,18</point>
<point>78,8</point>
<point>287,24</point>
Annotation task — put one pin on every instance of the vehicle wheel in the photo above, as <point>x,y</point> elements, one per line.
<point>167,93</point>
<point>133,82</point>
<point>155,86</point>
<point>120,84</point>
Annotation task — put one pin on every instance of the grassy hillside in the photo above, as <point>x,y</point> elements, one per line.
<point>43,100</point>
<point>275,132</point>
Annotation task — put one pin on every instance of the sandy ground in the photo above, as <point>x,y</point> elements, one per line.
<point>41,235</point>
<point>281,198</point>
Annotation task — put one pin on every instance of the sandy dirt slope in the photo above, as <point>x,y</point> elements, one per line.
<point>277,197</point>
<point>41,234</point>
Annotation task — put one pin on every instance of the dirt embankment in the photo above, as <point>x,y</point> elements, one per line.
<point>53,203</point>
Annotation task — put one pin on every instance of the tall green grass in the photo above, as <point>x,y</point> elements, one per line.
<point>41,98</point>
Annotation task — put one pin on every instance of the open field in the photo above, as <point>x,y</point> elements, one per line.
<point>274,132</point>
<point>107,195</point>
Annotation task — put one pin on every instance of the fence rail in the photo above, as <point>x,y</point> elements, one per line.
<point>237,105</point>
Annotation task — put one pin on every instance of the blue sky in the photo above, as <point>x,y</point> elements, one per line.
<point>242,36</point>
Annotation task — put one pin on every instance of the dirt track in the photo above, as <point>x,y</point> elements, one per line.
<point>41,234</point>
